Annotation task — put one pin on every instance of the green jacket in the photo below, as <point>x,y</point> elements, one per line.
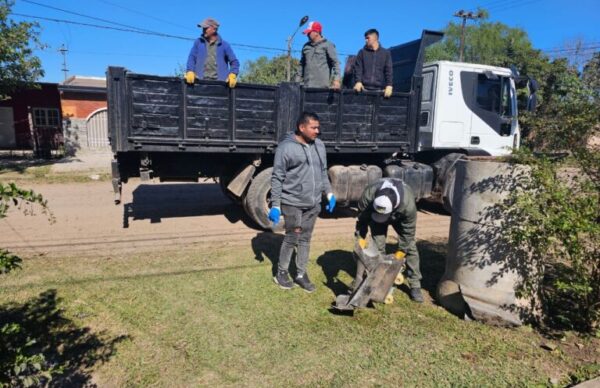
<point>404,217</point>
<point>319,64</point>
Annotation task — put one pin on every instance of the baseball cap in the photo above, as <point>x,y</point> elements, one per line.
<point>313,26</point>
<point>209,22</point>
<point>387,198</point>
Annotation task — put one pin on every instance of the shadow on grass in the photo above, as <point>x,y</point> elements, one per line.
<point>266,246</point>
<point>20,165</point>
<point>432,255</point>
<point>71,350</point>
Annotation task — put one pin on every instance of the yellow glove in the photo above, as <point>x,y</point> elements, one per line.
<point>358,87</point>
<point>399,255</point>
<point>362,243</point>
<point>190,77</point>
<point>387,92</point>
<point>231,80</point>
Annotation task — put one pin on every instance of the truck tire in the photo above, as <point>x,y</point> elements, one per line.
<point>448,191</point>
<point>256,202</point>
<point>445,175</point>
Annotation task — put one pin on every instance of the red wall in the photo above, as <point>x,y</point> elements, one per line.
<point>46,96</point>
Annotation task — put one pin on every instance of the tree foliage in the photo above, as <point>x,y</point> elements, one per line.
<point>20,363</point>
<point>18,65</point>
<point>558,214</point>
<point>268,71</point>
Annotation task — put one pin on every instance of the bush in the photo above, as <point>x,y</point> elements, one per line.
<point>20,363</point>
<point>554,220</point>
<point>556,217</point>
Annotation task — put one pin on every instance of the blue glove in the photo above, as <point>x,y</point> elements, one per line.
<point>331,205</point>
<point>274,214</point>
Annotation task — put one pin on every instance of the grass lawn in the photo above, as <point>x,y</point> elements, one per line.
<point>214,317</point>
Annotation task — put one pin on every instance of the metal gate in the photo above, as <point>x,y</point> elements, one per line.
<point>97,129</point>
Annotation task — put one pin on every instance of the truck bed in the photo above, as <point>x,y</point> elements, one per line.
<point>151,113</point>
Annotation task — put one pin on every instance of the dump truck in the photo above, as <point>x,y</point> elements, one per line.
<point>163,128</point>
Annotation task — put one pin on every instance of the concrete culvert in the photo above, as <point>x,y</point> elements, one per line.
<point>482,269</point>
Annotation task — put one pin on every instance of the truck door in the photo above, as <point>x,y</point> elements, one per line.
<point>491,99</point>
<point>427,108</point>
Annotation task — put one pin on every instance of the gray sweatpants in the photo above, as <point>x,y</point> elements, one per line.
<point>299,225</point>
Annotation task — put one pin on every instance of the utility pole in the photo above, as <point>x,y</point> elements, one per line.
<point>464,16</point>
<point>63,50</point>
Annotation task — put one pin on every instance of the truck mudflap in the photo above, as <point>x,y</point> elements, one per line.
<point>376,276</point>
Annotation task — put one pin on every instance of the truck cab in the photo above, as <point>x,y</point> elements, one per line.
<point>468,107</point>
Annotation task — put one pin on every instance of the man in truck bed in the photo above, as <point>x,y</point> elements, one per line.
<point>211,57</point>
<point>320,67</point>
<point>373,66</point>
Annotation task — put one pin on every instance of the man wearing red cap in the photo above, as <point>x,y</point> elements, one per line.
<point>390,201</point>
<point>320,67</point>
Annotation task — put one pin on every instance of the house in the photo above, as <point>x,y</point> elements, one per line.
<point>83,102</point>
<point>31,119</point>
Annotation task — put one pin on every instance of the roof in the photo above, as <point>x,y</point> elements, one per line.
<point>472,66</point>
<point>79,80</point>
<point>78,83</point>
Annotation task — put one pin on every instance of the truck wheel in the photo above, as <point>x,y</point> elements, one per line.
<point>256,202</point>
<point>446,170</point>
<point>448,191</point>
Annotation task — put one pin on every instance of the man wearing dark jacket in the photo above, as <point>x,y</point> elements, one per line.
<point>390,201</point>
<point>211,57</point>
<point>373,66</point>
<point>299,180</point>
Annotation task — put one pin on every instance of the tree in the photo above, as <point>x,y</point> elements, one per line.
<point>18,66</point>
<point>591,74</point>
<point>267,71</point>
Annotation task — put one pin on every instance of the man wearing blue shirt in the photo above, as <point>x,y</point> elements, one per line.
<point>211,57</point>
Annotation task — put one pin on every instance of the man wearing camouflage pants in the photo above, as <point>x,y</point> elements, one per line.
<point>390,201</point>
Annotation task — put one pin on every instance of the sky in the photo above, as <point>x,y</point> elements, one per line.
<point>257,28</point>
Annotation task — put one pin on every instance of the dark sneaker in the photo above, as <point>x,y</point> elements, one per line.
<point>283,279</point>
<point>416,295</point>
<point>304,282</point>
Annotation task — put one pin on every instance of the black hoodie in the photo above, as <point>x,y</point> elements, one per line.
<point>373,68</point>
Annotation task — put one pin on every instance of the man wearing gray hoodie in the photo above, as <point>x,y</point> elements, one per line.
<point>298,182</point>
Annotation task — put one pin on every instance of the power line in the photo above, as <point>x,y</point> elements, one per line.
<point>85,16</point>
<point>144,32</point>
<point>511,5</point>
<point>143,14</point>
<point>160,34</point>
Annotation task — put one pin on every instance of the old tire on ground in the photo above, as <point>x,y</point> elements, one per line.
<point>256,202</point>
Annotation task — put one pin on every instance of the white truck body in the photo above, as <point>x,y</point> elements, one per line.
<point>468,107</point>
